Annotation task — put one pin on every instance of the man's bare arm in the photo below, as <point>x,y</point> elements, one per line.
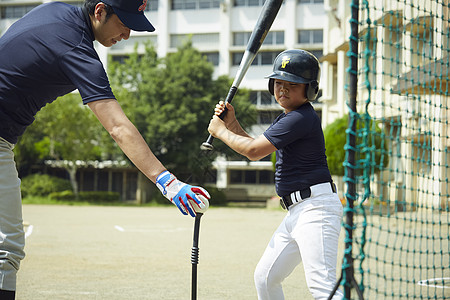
<point>126,135</point>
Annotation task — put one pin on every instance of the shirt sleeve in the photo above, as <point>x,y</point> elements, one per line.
<point>288,129</point>
<point>85,70</point>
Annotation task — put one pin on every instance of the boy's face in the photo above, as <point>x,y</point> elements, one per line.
<point>108,31</point>
<point>289,95</point>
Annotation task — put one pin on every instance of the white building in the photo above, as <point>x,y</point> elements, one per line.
<point>220,29</point>
<point>409,91</point>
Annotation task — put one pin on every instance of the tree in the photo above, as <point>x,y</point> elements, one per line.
<point>69,133</point>
<point>25,153</point>
<point>373,140</point>
<point>171,101</point>
<point>335,139</point>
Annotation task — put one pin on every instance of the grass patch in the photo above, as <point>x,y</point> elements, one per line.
<point>50,201</point>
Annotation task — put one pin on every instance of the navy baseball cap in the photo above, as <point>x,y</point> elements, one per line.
<point>131,13</point>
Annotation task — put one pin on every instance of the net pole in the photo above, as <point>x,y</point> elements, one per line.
<point>351,183</point>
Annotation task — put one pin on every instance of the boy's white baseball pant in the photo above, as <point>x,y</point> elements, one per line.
<point>308,233</point>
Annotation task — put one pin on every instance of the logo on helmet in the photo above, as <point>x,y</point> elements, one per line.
<point>285,61</point>
<point>144,4</point>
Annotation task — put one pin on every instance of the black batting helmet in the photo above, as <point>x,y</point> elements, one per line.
<point>298,66</point>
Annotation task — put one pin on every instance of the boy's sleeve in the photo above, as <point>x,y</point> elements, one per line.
<point>288,129</point>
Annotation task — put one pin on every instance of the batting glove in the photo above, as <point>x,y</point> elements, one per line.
<point>189,199</point>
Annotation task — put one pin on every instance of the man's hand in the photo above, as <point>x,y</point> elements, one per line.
<point>189,199</point>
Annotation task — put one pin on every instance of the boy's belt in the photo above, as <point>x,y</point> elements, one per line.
<point>312,191</point>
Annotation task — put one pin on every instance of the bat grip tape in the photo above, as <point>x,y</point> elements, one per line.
<point>228,99</point>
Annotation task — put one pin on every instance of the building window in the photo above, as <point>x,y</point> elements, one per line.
<point>131,185</point>
<point>272,38</point>
<point>266,117</point>
<point>310,1</point>
<point>317,53</point>
<point>198,40</point>
<point>314,36</point>
<point>394,60</point>
<point>251,177</point>
<point>152,5</point>
<point>102,181</point>
<point>249,2</point>
<point>261,59</point>
<point>261,98</point>
<point>319,113</point>
<point>195,4</point>
<point>212,57</point>
<point>423,45</point>
<point>265,58</point>
<point>241,38</point>
<point>266,177</point>
<point>15,11</point>
<point>236,176</point>
<point>88,182</point>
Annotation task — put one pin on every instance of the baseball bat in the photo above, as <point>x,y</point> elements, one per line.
<point>265,20</point>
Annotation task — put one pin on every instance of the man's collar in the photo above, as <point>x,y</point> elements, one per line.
<point>88,22</point>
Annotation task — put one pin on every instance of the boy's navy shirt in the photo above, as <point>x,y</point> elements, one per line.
<point>301,161</point>
<point>46,54</point>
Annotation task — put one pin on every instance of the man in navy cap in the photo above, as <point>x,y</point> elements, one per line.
<point>49,53</point>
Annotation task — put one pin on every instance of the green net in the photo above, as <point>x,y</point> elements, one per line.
<point>399,240</point>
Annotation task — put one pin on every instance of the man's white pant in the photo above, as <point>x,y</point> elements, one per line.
<point>308,233</point>
<point>12,238</point>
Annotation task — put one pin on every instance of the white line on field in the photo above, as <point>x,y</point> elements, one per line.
<point>119,228</point>
<point>68,293</point>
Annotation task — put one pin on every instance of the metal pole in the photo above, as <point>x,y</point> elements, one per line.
<point>194,256</point>
<point>347,275</point>
<point>351,185</point>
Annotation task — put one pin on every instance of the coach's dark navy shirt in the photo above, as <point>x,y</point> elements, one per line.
<point>301,160</point>
<point>46,54</point>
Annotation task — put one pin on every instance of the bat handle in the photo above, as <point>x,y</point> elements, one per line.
<point>208,144</point>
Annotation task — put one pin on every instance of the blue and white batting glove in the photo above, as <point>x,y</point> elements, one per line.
<point>189,199</point>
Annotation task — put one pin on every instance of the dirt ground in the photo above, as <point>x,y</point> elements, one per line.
<point>81,252</point>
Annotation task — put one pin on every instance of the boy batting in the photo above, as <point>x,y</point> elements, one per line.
<point>310,230</point>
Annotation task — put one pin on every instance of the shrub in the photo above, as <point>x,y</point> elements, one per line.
<point>43,185</point>
<point>99,196</point>
<point>336,138</point>
<point>63,196</point>
<point>94,197</point>
<point>218,197</point>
